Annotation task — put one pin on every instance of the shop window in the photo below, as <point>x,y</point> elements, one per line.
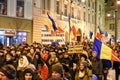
<point>20,38</point>
<point>20,8</point>
<point>2,40</point>
<point>3,7</point>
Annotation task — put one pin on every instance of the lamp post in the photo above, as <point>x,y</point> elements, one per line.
<point>116,19</point>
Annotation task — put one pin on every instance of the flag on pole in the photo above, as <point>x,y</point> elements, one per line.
<point>104,52</point>
<point>60,30</point>
<point>74,32</point>
<point>69,24</point>
<point>53,22</point>
<point>106,34</point>
<point>100,30</point>
<point>91,34</point>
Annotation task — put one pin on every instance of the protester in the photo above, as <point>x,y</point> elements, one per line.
<point>53,62</point>
<point>23,63</point>
<point>57,72</point>
<point>83,73</point>
<point>97,67</point>
<point>8,72</point>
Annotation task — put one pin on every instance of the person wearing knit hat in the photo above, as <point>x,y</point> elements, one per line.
<point>7,72</point>
<point>28,74</point>
<point>58,68</point>
<point>57,72</point>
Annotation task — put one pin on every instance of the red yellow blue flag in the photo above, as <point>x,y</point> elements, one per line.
<point>104,52</point>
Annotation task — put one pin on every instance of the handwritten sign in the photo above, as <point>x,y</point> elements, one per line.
<point>75,49</point>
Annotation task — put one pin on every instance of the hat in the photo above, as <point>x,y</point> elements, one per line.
<point>9,71</point>
<point>83,55</point>
<point>28,70</point>
<point>57,68</point>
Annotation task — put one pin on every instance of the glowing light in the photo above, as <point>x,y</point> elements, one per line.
<point>83,0</point>
<point>108,15</point>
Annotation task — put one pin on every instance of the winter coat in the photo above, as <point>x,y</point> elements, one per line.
<point>87,75</point>
<point>44,72</point>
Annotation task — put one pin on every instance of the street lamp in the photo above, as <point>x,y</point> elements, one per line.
<point>116,19</point>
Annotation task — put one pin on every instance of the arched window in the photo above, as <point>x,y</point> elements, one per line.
<point>44,28</point>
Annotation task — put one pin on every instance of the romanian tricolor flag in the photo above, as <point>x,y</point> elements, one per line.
<point>100,30</point>
<point>60,30</point>
<point>53,22</point>
<point>72,28</point>
<point>104,52</point>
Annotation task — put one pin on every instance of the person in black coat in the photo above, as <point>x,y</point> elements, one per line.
<point>116,66</point>
<point>106,66</point>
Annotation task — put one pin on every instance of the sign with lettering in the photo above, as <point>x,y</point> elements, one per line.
<point>75,49</point>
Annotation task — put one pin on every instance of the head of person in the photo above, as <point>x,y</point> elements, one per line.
<point>57,70</point>
<point>83,57</point>
<point>9,57</point>
<point>28,74</point>
<point>23,61</point>
<point>94,54</point>
<point>8,72</point>
<point>82,66</point>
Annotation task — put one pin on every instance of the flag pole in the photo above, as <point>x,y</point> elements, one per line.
<point>69,33</point>
<point>69,23</point>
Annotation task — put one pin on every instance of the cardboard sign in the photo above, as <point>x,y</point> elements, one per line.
<point>75,49</point>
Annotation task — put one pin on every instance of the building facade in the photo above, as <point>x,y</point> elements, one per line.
<point>29,18</point>
<point>110,18</point>
<point>86,15</point>
<point>15,21</point>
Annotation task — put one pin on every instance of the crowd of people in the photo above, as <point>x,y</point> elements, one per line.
<point>52,62</point>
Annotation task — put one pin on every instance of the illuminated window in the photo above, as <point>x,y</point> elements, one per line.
<point>3,7</point>
<point>20,8</point>
<point>44,28</point>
